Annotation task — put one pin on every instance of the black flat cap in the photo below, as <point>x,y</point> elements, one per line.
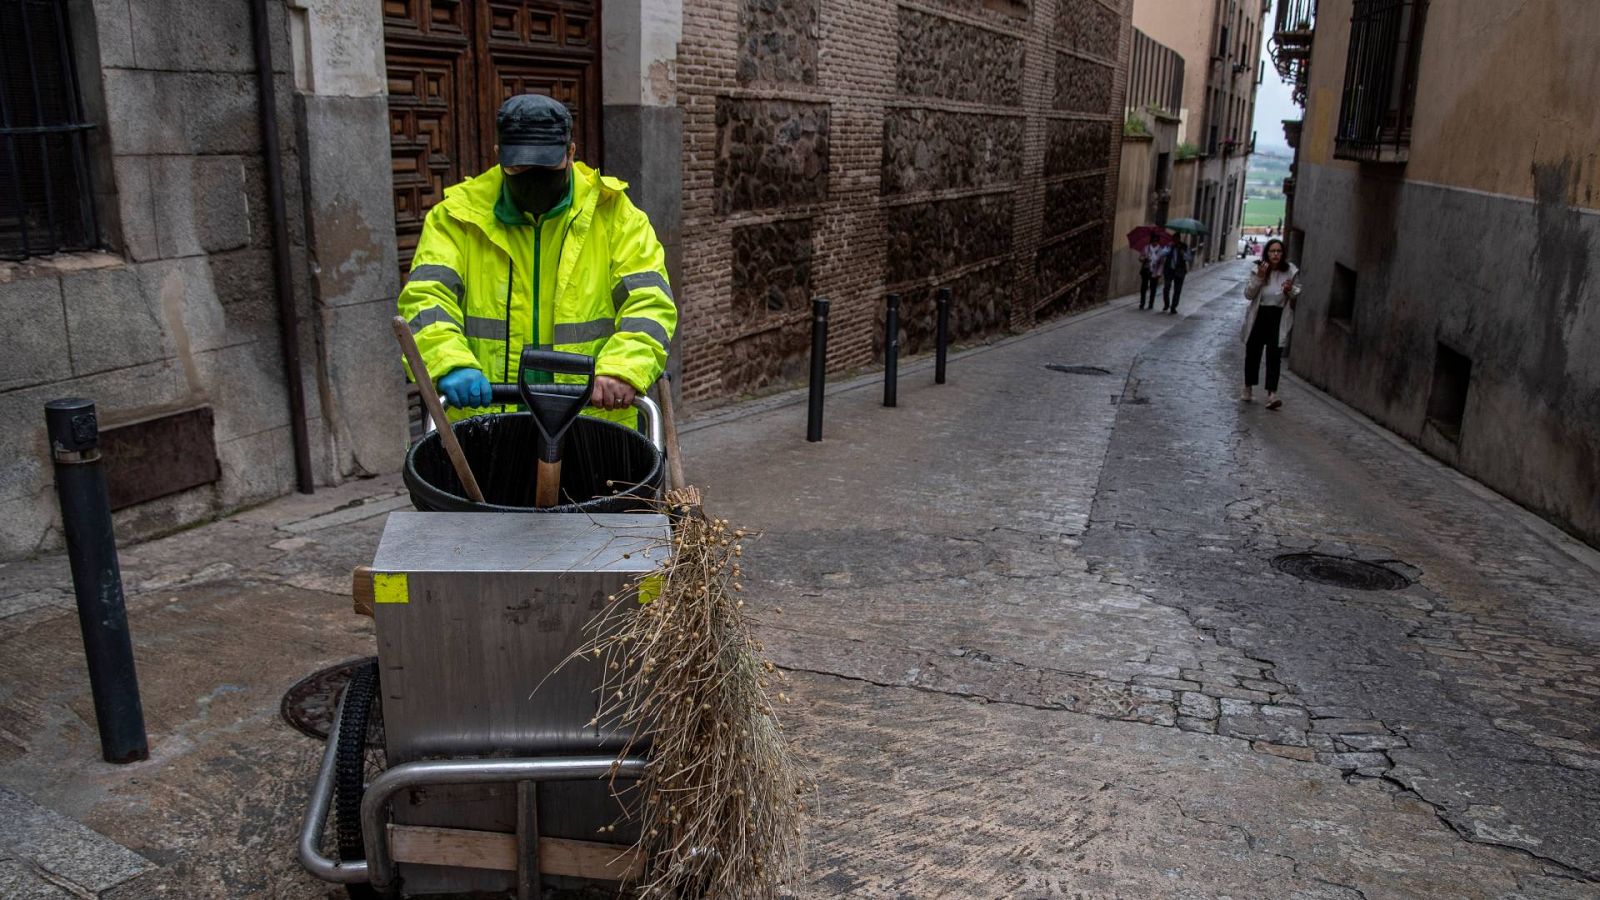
<point>534,130</point>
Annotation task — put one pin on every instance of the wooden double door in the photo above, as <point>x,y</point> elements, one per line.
<point>450,65</point>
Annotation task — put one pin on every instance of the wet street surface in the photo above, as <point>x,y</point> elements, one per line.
<point>1051,655</point>
<point>1039,643</point>
<point>1476,689</point>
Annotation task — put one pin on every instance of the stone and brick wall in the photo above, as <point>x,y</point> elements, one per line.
<point>856,148</point>
<point>178,310</point>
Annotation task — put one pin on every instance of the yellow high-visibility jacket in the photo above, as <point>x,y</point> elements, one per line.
<point>588,277</point>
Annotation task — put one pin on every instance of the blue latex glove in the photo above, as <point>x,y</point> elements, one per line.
<point>466,387</point>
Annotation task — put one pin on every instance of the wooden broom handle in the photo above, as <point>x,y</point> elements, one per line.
<point>669,429</point>
<point>430,399</point>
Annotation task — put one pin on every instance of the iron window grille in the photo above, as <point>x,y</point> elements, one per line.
<point>46,201</point>
<point>1380,80</point>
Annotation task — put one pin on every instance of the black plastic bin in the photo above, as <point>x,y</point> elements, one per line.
<point>606,467</point>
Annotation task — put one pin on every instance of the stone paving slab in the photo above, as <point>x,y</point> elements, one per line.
<point>45,854</point>
<point>931,796</point>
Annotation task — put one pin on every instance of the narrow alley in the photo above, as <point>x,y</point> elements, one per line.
<point>1039,645</point>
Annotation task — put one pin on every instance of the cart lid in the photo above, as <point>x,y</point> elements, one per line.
<point>522,542</point>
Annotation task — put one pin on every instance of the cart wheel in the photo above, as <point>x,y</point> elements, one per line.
<point>359,758</point>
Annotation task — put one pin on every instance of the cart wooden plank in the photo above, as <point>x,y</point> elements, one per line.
<point>363,592</point>
<point>528,869</point>
<point>497,850</point>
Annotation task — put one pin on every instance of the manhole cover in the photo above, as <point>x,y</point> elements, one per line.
<point>309,705</point>
<point>1077,370</point>
<point>1340,571</point>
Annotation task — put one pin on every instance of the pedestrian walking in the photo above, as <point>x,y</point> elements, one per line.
<point>1179,258</point>
<point>540,249</point>
<point>1151,265</point>
<point>1271,291</point>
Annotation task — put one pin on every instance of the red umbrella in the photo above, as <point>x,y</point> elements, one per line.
<point>1145,235</point>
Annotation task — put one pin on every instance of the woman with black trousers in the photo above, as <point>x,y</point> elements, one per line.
<point>1271,291</point>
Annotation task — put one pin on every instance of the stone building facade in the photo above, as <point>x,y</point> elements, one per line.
<point>1148,188</point>
<point>850,150</point>
<point>166,313</point>
<point>1220,41</point>
<point>1447,218</point>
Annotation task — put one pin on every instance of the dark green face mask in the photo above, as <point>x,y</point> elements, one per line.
<point>536,191</point>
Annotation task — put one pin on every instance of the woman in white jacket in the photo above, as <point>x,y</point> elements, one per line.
<point>1271,291</point>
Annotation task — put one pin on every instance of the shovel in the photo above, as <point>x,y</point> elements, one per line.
<point>554,408</point>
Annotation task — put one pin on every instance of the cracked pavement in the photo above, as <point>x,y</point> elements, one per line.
<point>1037,645</point>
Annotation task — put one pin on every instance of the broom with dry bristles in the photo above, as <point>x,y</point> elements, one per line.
<point>721,804</point>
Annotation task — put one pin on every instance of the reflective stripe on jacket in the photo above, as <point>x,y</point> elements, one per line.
<point>591,278</point>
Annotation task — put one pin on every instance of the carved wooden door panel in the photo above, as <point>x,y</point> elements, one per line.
<point>432,106</point>
<point>547,47</point>
<point>450,65</point>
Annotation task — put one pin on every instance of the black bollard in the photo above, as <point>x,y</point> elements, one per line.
<point>891,350</point>
<point>819,367</point>
<point>96,578</point>
<point>942,338</point>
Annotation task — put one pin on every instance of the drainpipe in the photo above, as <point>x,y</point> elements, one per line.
<point>288,320</point>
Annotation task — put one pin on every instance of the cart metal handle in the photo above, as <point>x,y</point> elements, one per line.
<point>378,868</point>
<point>375,802</point>
<point>508,395</point>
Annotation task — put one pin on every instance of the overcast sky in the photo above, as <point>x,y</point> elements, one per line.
<point>1272,107</point>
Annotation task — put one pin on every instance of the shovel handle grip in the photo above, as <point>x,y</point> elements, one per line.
<point>508,395</point>
<point>511,395</point>
<point>557,362</point>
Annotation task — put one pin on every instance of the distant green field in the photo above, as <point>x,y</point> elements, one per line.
<point>1262,212</point>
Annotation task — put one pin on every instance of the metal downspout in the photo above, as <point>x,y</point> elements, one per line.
<point>288,318</point>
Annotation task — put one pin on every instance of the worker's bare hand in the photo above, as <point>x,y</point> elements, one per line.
<point>612,393</point>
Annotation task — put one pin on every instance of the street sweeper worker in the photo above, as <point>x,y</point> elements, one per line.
<point>540,249</point>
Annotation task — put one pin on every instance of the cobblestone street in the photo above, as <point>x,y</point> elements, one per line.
<point>1038,643</point>
<point>1023,547</point>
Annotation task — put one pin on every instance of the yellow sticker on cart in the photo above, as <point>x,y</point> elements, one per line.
<point>390,587</point>
<point>649,588</point>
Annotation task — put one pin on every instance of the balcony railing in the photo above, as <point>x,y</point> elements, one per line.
<point>1291,43</point>
<point>1380,80</point>
<point>1292,30</point>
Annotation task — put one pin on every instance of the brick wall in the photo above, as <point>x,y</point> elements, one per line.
<point>854,148</point>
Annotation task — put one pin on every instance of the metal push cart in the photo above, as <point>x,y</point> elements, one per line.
<point>466,759</point>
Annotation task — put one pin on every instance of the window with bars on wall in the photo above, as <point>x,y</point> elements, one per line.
<point>1380,80</point>
<point>46,203</point>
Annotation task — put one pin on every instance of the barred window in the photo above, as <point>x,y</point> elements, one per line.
<point>1380,80</point>
<point>46,204</point>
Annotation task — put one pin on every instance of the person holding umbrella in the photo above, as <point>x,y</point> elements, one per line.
<point>1271,291</point>
<point>1152,261</point>
<point>1179,258</point>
